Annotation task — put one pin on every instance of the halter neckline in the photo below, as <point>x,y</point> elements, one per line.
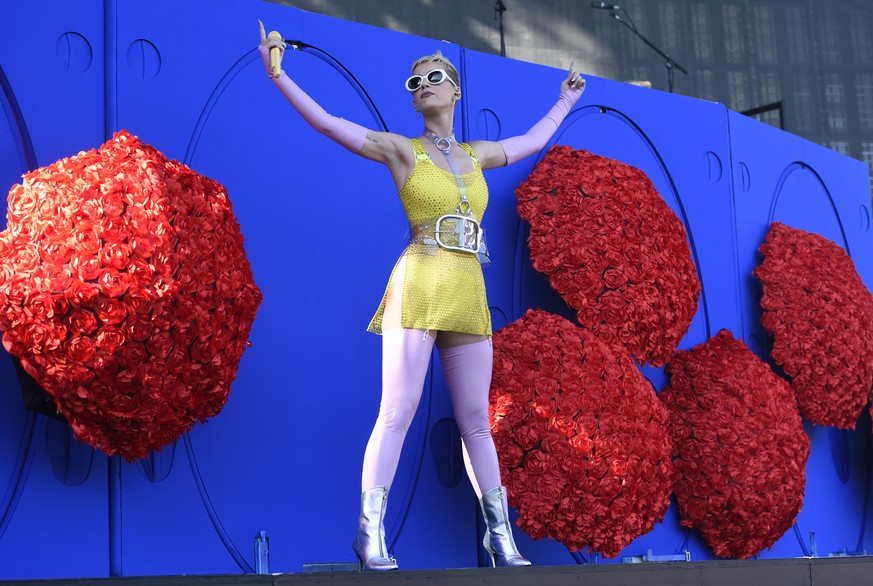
<point>443,143</point>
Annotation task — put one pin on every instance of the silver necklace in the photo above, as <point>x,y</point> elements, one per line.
<point>444,145</point>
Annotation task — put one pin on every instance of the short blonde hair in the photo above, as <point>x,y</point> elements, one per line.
<point>439,58</point>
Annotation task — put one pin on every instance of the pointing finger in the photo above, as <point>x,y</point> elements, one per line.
<point>263,32</point>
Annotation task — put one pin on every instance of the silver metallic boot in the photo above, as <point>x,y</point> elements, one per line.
<point>498,533</point>
<point>369,543</point>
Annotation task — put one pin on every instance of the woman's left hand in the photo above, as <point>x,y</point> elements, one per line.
<point>574,83</point>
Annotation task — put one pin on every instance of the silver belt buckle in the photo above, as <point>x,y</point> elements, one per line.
<point>465,228</point>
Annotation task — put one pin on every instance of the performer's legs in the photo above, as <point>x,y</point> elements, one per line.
<point>466,361</point>
<point>405,358</point>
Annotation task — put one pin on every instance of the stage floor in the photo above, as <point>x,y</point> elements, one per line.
<point>779,572</point>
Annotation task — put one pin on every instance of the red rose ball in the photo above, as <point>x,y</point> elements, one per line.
<point>126,293</point>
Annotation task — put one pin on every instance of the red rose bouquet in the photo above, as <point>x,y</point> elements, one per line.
<point>819,313</point>
<point>613,250</point>
<point>126,293</point>
<point>580,434</point>
<point>739,446</point>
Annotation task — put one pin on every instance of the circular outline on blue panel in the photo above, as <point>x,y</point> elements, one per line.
<point>144,59</point>
<point>714,166</point>
<point>74,52</point>
<point>253,55</point>
<point>576,116</point>
<point>865,218</point>
<point>487,114</point>
<point>777,192</point>
<point>745,177</point>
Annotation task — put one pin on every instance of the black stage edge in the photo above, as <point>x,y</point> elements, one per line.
<point>842,571</point>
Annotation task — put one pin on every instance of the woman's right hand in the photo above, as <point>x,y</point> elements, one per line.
<point>267,43</point>
<point>574,85</point>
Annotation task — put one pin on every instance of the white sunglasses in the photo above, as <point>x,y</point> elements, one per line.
<point>433,77</point>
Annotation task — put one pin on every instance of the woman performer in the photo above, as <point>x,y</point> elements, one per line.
<point>436,292</point>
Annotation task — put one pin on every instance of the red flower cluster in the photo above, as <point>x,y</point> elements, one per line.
<point>126,293</point>
<point>613,250</point>
<point>581,436</point>
<point>819,313</point>
<point>740,449</point>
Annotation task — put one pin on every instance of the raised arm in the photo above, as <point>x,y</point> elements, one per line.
<point>383,147</point>
<point>510,150</point>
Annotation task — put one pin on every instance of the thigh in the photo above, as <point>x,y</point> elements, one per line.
<point>452,339</point>
<point>391,317</point>
<point>406,357</point>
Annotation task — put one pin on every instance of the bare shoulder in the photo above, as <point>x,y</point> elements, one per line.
<point>489,153</point>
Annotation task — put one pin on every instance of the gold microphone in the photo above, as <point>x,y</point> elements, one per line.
<point>275,55</point>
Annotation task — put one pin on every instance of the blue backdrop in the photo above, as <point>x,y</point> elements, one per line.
<point>284,456</point>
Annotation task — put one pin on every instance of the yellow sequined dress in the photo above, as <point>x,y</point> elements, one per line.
<point>443,290</point>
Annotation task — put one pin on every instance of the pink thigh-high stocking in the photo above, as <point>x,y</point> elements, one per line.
<point>467,364</point>
<point>405,358</point>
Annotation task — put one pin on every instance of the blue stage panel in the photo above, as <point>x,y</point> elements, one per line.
<point>53,510</point>
<point>56,73</point>
<point>801,185</point>
<point>57,526</point>
<point>644,128</point>
<point>169,71</point>
<point>323,229</point>
<point>813,189</point>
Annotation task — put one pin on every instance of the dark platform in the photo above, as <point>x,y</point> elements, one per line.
<point>779,572</point>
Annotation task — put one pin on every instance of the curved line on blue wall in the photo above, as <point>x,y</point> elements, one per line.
<point>494,309</point>
<point>11,105</point>
<point>21,470</point>
<point>157,465</point>
<point>837,439</point>
<point>585,111</point>
<point>348,76</point>
<point>24,459</point>
<point>71,461</point>
<point>210,510</point>
<point>252,55</point>
<point>777,192</point>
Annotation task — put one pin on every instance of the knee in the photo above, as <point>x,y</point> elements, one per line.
<point>397,417</point>
<point>474,423</point>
